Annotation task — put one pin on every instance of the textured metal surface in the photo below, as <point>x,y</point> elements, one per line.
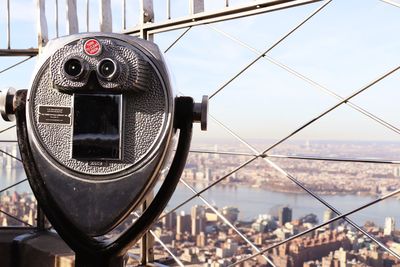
<point>145,113</point>
<point>134,70</point>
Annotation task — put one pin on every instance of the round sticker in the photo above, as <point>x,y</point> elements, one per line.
<point>92,47</point>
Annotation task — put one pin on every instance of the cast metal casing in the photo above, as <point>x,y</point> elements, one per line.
<point>95,194</point>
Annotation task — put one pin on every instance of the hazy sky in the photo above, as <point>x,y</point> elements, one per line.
<point>344,47</point>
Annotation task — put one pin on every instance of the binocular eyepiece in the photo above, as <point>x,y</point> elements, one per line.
<point>75,68</point>
<point>95,130</point>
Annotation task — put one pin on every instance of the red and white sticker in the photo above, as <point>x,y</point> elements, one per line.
<point>92,47</point>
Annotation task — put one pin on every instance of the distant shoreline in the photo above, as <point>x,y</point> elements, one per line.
<point>288,190</point>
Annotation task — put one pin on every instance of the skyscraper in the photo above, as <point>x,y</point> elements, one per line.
<point>329,215</point>
<point>389,226</point>
<point>198,219</point>
<point>169,221</point>
<point>285,215</point>
<point>230,213</point>
<point>182,223</point>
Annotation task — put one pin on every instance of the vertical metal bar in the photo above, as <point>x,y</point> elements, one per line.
<point>8,25</point>
<point>87,15</point>
<point>143,250</point>
<point>146,11</point>
<point>56,15</point>
<point>105,16</point>
<point>147,241</point>
<point>168,9</point>
<point>41,221</point>
<point>43,35</point>
<point>146,15</point>
<point>123,14</point>
<point>72,17</point>
<point>196,6</point>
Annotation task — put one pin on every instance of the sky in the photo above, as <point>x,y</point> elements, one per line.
<point>344,47</point>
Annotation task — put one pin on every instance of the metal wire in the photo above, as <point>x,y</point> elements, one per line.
<point>16,64</point>
<point>13,185</point>
<point>291,134</point>
<point>269,49</point>
<point>177,260</point>
<point>208,187</point>
<point>283,139</point>
<point>15,218</point>
<point>8,128</point>
<point>319,158</point>
<point>309,81</point>
<point>310,192</point>
<point>179,37</point>
<point>11,156</point>
<point>344,100</point>
<point>391,2</point>
<point>222,217</point>
<point>332,208</point>
<point>354,160</point>
<point>333,107</point>
<point>319,226</point>
<point>221,153</point>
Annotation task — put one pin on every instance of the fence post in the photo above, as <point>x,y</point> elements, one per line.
<point>72,17</point>
<point>147,241</point>
<point>43,36</point>
<point>146,11</point>
<point>105,16</point>
<point>146,16</point>
<point>196,6</point>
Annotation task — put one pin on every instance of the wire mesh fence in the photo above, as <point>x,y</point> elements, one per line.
<point>261,188</point>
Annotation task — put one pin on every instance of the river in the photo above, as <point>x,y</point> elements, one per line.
<point>254,201</point>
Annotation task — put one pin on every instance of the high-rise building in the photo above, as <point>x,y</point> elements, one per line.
<point>198,219</point>
<point>201,240</point>
<point>207,174</point>
<point>396,171</point>
<point>389,226</point>
<point>169,221</point>
<point>285,215</point>
<point>9,160</point>
<point>329,215</point>
<point>197,211</point>
<point>182,223</point>
<point>198,225</point>
<point>230,213</point>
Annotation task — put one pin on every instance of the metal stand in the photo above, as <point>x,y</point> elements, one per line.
<point>89,251</point>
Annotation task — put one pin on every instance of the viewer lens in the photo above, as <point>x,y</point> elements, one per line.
<point>107,68</point>
<point>73,67</point>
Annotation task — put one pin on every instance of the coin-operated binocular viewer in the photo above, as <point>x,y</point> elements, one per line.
<point>95,129</point>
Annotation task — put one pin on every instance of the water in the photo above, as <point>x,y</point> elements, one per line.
<point>254,201</point>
